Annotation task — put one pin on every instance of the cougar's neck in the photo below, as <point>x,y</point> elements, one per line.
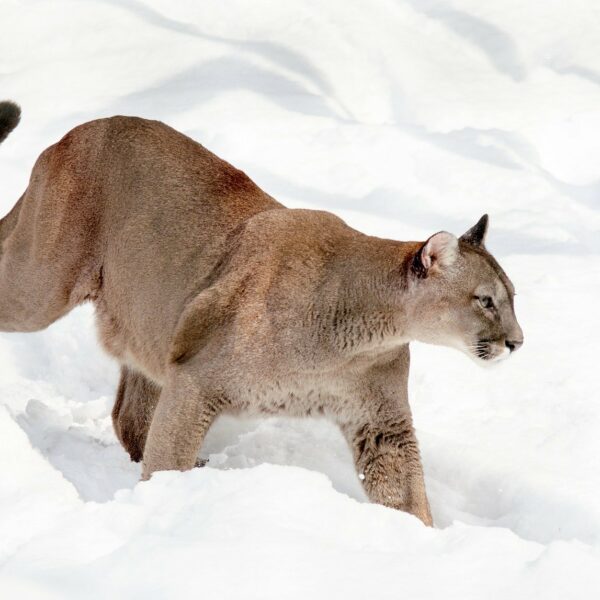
<point>372,307</point>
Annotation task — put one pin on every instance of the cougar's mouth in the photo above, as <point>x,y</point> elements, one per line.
<point>490,350</point>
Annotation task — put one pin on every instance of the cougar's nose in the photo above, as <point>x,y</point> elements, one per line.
<point>513,345</point>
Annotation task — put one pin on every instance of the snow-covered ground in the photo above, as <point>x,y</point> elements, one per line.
<point>404,117</point>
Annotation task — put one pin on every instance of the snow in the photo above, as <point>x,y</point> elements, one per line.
<point>404,118</point>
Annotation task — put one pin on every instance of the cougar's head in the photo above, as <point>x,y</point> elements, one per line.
<point>464,298</point>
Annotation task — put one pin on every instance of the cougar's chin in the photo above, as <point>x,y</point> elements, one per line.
<point>488,352</point>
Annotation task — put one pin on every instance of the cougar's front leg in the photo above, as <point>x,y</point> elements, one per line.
<point>183,415</point>
<point>383,442</point>
<point>387,459</point>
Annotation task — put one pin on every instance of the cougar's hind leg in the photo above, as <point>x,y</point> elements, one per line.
<point>49,243</point>
<point>34,291</point>
<point>8,316</point>
<point>137,397</point>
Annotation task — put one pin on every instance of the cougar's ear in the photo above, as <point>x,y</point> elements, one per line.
<point>476,235</point>
<point>439,251</point>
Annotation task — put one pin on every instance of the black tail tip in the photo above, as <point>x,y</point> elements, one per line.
<point>10,115</point>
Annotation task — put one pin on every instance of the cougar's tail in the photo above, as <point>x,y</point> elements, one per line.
<point>10,115</point>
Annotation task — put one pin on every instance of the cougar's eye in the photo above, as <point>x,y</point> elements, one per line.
<point>486,302</point>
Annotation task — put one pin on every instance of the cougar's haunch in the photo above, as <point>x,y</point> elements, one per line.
<point>216,298</point>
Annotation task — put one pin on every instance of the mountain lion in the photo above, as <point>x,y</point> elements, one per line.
<point>217,299</point>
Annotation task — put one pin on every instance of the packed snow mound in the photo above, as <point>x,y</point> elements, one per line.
<point>273,532</point>
<point>404,118</point>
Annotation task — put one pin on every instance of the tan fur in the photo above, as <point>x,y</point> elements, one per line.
<point>215,298</point>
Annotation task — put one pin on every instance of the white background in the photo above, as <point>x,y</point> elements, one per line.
<point>404,117</point>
